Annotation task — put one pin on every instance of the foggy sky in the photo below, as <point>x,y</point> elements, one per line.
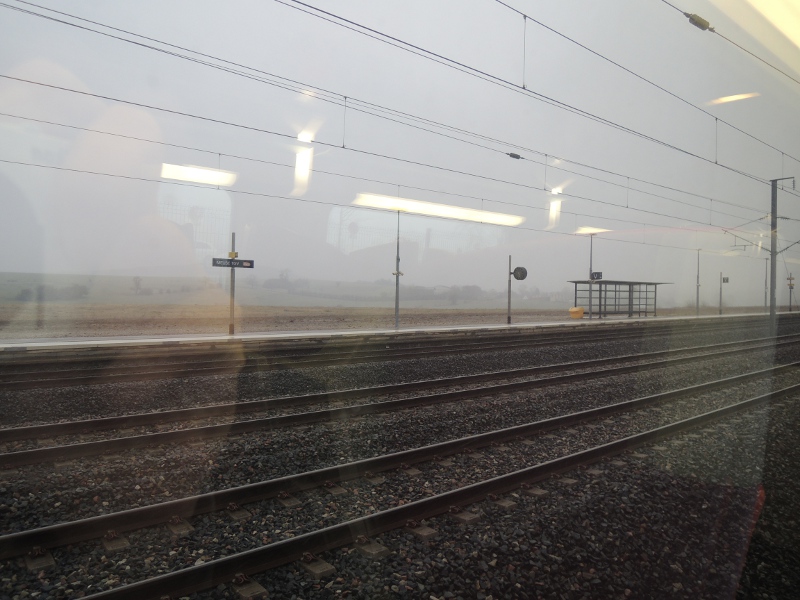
<point>64,221</point>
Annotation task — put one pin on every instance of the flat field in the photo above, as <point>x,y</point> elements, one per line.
<point>57,306</point>
<point>52,320</point>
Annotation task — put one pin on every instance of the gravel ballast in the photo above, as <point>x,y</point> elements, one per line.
<point>41,495</point>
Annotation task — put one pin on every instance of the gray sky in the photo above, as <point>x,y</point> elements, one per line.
<point>66,221</point>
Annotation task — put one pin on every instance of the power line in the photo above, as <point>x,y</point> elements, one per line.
<point>326,144</point>
<point>332,173</point>
<point>260,130</point>
<point>320,202</point>
<point>627,187</point>
<point>742,48</point>
<point>472,71</point>
<point>318,93</point>
<point>333,97</point>
<point>648,81</point>
<point>784,73</point>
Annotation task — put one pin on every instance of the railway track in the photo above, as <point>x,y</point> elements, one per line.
<point>414,484</point>
<point>343,404</point>
<point>360,532</point>
<point>28,369</point>
<point>314,542</point>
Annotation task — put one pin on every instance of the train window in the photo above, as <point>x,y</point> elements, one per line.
<point>478,299</point>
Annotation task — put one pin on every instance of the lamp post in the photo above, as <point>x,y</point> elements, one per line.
<point>773,250</point>
<point>591,232</point>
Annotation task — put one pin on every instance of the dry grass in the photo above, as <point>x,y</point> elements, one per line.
<point>21,321</point>
<point>54,320</point>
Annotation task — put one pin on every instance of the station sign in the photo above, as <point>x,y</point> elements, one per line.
<point>232,262</point>
<point>596,275</point>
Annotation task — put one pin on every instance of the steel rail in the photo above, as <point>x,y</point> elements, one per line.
<point>143,349</point>
<point>237,408</point>
<point>223,570</point>
<point>299,350</point>
<point>324,356</point>
<point>94,527</point>
<point>115,373</point>
<point>116,445</point>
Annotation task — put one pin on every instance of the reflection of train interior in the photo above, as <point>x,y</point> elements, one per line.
<point>453,300</point>
<point>204,217</point>
<point>354,230</point>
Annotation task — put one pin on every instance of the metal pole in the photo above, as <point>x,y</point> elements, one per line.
<point>766,287</point>
<point>508,320</point>
<point>697,301</point>
<point>233,280</point>
<point>397,278</point>
<point>720,292</point>
<point>773,253</point>
<point>591,239</point>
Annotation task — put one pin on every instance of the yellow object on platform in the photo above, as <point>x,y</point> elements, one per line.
<point>576,312</point>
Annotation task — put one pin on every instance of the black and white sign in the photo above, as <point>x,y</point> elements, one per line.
<point>232,262</point>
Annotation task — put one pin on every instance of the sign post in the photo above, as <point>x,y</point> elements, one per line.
<point>233,262</point>
<point>721,281</point>
<point>519,274</point>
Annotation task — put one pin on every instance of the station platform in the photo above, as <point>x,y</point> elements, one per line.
<point>64,343</point>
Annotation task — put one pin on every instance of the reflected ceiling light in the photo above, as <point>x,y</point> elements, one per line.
<point>590,230</point>
<point>303,163</point>
<point>559,189</point>
<point>198,174</point>
<point>733,98</point>
<point>436,210</point>
<point>555,213</point>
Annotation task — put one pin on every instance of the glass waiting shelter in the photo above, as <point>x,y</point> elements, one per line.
<point>603,297</point>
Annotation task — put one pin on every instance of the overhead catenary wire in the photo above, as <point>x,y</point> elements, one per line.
<point>628,188</point>
<point>405,185</point>
<point>325,203</point>
<point>641,77</point>
<point>472,71</point>
<point>351,149</point>
<point>274,80</point>
<point>739,46</point>
<point>341,100</point>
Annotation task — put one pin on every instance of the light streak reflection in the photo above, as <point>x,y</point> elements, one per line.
<point>433,209</point>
